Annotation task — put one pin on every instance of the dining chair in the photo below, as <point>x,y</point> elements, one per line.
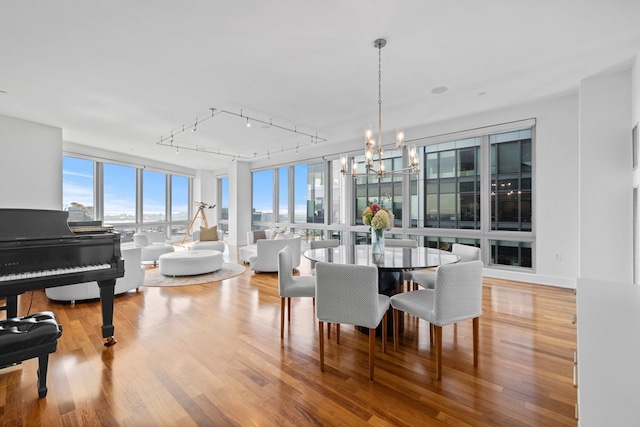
<point>456,296</point>
<point>291,286</point>
<point>467,253</point>
<point>407,276</point>
<point>347,293</point>
<point>319,244</point>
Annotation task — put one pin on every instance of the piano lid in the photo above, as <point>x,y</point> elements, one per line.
<point>26,224</point>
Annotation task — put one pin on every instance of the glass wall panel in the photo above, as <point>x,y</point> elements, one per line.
<point>309,193</point>
<point>452,184</point>
<point>119,194</point>
<point>511,253</point>
<point>262,196</point>
<point>511,194</point>
<point>77,188</point>
<point>224,198</point>
<point>283,194</point>
<point>154,193</point>
<point>179,198</point>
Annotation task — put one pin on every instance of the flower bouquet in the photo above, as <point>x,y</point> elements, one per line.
<point>379,219</point>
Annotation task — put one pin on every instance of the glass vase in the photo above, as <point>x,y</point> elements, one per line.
<point>377,241</point>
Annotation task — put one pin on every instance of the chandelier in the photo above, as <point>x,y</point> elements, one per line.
<point>372,148</point>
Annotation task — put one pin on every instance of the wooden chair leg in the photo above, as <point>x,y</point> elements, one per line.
<point>282,306</point>
<point>329,330</point>
<point>338,333</point>
<point>395,330</point>
<point>438,339</point>
<point>289,309</point>
<point>43,363</point>
<point>372,351</point>
<point>384,333</point>
<point>476,339</point>
<point>321,338</point>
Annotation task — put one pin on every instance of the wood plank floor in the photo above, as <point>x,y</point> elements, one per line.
<point>211,355</point>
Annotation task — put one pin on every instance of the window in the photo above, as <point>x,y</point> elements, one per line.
<point>511,163</point>
<point>262,196</point>
<point>309,194</point>
<point>283,195</point>
<point>452,185</point>
<point>223,204</point>
<point>154,192</point>
<point>386,190</point>
<point>77,188</point>
<point>179,205</point>
<point>119,194</point>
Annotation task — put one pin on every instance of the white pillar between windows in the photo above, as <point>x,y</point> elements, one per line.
<point>239,202</point>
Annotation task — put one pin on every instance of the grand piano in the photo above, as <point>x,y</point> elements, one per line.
<point>39,250</point>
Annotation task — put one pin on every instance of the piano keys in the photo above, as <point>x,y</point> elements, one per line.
<point>38,250</point>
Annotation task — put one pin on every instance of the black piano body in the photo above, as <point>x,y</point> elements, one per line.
<point>38,250</point>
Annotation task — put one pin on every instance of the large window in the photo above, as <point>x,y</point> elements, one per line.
<point>119,194</point>
<point>77,188</point>
<point>130,198</point>
<point>309,193</point>
<point>386,190</point>
<point>283,195</point>
<point>452,185</point>
<point>154,191</point>
<point>511,163</point>
<point>263,196</point>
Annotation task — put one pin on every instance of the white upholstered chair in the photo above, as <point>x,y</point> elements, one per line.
<point>153,244</point>
<point>456,296</point>
<point>348,294</point>
<point>291,286</point>
<point>407,276</point>
<point>467,253</point>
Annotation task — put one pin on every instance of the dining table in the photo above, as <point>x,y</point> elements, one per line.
<point>391,263</point>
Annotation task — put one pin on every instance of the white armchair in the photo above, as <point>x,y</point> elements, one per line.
<point>216,245</point>
<point>132,279</point>
<point>153,244</point>
<point>266,257</point>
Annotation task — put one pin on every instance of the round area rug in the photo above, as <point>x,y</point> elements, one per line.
<point>152,276</point>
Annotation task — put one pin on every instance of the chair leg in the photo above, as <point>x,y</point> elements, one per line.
<point>289,309</point>
<point>395,329</point>
<point>321,338</point>
<point>329,330</point>
<point>282,306</point>
<point>337,333</point>
<point>384,333</point>
<point>438,338</point>
<point>43,363</point>
<point>372,350</point>
<point>476,339</point>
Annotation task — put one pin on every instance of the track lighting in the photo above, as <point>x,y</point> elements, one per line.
<point>168,140</point>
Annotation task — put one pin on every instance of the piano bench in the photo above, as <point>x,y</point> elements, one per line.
<point>23,338</point>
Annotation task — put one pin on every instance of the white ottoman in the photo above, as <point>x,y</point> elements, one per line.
<point>190,263</point>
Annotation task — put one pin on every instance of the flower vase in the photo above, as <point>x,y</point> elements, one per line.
<point>377,241</point>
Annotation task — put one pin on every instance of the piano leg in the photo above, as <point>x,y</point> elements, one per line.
<point>106,299</point>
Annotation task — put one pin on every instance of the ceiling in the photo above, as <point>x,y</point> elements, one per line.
<point>127,75</point>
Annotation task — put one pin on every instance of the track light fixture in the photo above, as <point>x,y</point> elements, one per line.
<point>169,140</point>
<point>371,148</point>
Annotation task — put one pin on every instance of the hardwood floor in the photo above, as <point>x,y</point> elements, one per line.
<point>211,355</point>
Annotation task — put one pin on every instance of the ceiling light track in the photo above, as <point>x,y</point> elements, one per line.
<point>169,141</point>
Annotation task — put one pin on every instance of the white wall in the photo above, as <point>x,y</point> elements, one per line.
<point>606,178</point>
<point>28,177</point>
